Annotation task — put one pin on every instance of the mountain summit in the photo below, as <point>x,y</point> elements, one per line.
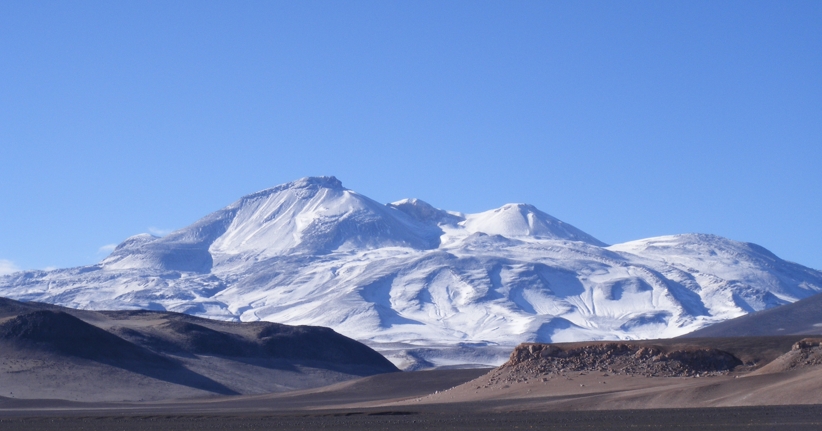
<point>525,221</point>
<point>425,286</point>
<point>310,216</point>
<point>316,216</point>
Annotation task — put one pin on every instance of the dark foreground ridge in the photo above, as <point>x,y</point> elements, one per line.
<point>58,332</point>
<point>48,351</point>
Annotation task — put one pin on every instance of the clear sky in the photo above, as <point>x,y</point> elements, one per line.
<point>625,119</point>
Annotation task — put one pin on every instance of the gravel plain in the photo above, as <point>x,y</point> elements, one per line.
<point>457,418</point>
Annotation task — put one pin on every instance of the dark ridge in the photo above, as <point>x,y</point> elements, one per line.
<point>184,335</point>
<point>151,341</point>
<point>803,317</point>
<point>160,345</point>
<point>59,333</point>
<point>10,307</point>
<point>205,341</point>
<point>127,314</point>
<point>197,335</point>
<point>319,344</point>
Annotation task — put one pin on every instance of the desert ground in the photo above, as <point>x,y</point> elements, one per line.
<point>429,400</point>
<point>778,385</point>
<point>748,418</point>
<point>64,369</point>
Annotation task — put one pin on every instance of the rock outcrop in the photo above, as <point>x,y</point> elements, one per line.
<point>621,358</point>
<point>804,353</point>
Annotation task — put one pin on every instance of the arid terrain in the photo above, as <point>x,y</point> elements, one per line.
<point>71,370</point>
<point>649,375</point>
<point>745,383</point>
<point>113,356</point>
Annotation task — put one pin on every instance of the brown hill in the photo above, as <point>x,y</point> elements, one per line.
<point>804,354</point>
<point>55,352</point>
<point>647,374</point>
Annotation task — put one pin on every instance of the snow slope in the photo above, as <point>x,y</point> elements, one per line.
<point>424,286</point>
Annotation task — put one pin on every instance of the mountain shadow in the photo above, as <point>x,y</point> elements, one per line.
<point>61,334</point>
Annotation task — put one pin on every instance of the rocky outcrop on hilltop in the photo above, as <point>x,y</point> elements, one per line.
<point>621,358</point>
<point>804,353</point>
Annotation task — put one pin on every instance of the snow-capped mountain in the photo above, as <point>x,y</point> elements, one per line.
<point>423,285</point>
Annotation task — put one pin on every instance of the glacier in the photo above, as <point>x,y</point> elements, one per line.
<point>424,286</point>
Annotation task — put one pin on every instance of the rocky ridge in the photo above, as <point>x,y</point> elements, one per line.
<point>804,353</point>
<point>620,358</point>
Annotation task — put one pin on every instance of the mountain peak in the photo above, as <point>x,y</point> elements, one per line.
<point>305,183</point>
<point>424,212</point>
<point>519,220</point>
<point>316,215</point>
<point>330,182</point>
<point>518,206</point>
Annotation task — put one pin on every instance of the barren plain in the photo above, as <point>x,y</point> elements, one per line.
<point>155,371</point>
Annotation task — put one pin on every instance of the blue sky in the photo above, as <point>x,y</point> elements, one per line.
<point>625,119</point>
